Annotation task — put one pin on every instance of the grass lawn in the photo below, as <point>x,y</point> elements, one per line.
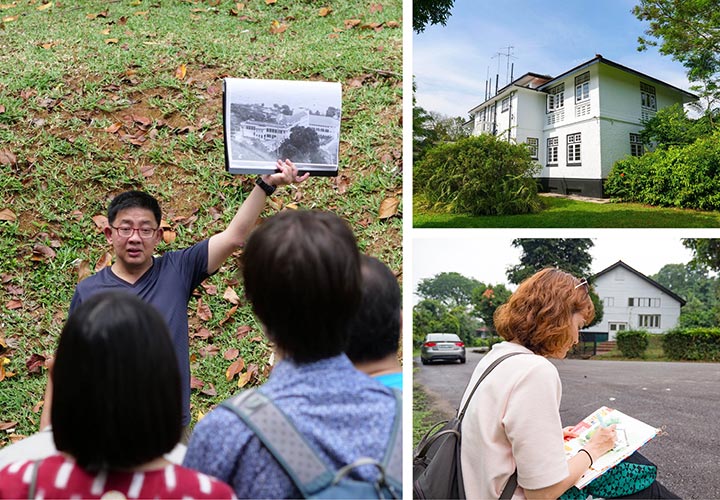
<point>100,97</point>
<point>654,352</point>
<point>563,212</point>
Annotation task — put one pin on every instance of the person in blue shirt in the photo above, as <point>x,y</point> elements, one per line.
<point>301,272</point>
<point>167,282</point>
<point>375,331</point>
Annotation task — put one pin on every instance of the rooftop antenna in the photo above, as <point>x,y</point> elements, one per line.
<point>508,55</point>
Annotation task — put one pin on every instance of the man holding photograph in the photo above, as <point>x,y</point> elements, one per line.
<point>168,281</point>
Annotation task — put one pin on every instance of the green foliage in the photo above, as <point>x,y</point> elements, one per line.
<point>671,126</point>
<point>431,128</point>
<point>572,255</point>
<point>680,176</point>
<point>687,31</point>
<point>701,292</point>
<point>486,299</point>
<point>695,344</point>
<point>452,289</point>
<point>478,175</point>
<point>632,343</point>
<point>706,250</point>
<point>430,12</point>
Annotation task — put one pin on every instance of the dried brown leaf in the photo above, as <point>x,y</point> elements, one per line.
<point>104,261</point>
<point>5,426</point>
<point>44,6</point>
<point>277,27</point>
<point>83,270</point>
<point>35,363</point>
<point>243,331</point>
<point>13,304</point>
<point>109,41</point>
<point>234,368</point>
<point>231,296</point>
<point>231,354</point>
<point>196,383</point>
<point>389,207</point>
<point>324,11</point>
<point>7,158</point>
<point>203,311</point>
<point>351,23</point>
<point>42,253</point>
<point>7,215</point>
<point>101,221</point>
<point>209,390</point>
<point>181,71</point>
<point>202,333</point>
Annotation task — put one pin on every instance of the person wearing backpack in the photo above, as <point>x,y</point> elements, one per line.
<point>301,273</point>
<point>512,430</point>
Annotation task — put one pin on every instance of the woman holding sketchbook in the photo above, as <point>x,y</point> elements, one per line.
<point>512,433</point>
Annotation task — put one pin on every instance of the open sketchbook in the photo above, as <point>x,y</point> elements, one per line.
<point>270,120</point>
<point>631,435</point>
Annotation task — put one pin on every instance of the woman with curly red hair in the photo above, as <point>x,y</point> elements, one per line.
<point>512,430</point>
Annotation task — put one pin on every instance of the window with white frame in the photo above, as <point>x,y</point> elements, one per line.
<point>552,150</point>
<point>582,87</point>
<point>556,98</point>
<point>574,141</point>
<point>533,144</point>
<point>649,320</point>
<point>505,105</point>
<point>647,97</point>
<point>644,302</point>
<point>608,301</point>
<point>636,145</point>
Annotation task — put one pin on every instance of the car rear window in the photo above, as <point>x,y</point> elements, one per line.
<point>443,337</point>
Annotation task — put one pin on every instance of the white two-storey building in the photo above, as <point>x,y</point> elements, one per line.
<point>632,301</point>
<point>577,124</point>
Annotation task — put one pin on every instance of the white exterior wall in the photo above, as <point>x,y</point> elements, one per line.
<point>621,284</point>
<point>529,115</point>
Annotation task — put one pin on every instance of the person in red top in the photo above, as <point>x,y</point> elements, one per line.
<point>116,410</point>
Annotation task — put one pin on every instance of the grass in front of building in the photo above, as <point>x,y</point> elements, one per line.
<point>567,213</point>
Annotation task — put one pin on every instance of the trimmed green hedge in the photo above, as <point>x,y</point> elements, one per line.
<point>694,344</point>
<point>632,343</point>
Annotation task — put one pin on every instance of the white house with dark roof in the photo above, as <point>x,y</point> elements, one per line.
<point>632,301</point>
<point>577,124</point>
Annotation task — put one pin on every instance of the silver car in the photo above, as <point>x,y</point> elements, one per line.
<point>442,346</point>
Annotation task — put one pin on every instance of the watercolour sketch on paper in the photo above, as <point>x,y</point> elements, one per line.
<point>267,120</point>
<point>631,435</point>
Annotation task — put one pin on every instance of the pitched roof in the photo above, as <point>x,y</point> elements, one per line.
<point>641,275</point>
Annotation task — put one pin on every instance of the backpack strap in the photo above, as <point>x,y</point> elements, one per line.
<point>294,453</point>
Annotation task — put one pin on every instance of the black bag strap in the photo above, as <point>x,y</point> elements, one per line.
<point>292,451</point>
<point>511,485</point>
<point>461,413</point>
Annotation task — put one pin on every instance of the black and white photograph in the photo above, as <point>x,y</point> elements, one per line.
<point>267,120</point>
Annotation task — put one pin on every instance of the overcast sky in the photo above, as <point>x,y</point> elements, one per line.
<point>452,62</point>
<point>486,254</point>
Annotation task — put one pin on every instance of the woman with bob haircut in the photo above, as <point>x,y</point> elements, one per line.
<point>512,423</point>
<point>116,410</point>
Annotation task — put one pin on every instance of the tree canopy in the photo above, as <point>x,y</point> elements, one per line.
<point>706,250</point>
<point>693,283</point>
<point>688,31</point>
<point>451,289</point>
<point>426,12</point>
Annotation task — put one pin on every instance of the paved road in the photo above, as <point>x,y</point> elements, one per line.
<point>683,398</point>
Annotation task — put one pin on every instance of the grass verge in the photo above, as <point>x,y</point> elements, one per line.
<point>566,213</point>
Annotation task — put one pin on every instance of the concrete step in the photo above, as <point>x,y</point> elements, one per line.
<point>606,346</point>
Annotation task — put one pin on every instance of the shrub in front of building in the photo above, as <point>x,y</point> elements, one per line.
<point>479,175</point>
<point>632,343</point>
<point>679,176</point>
<point>693,344</point>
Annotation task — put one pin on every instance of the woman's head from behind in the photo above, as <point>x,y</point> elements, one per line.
<point>545,313</point>
<point>116,396</point>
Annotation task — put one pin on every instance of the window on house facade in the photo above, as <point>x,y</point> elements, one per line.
<point>552,150</point>
<point>608,301</point>
<point>649,320</point>
<point>556,98</point>
<point>636,145</point>
<point>582,87</point>
<point>505,105</point>
<point>644,302</point>
<point>533,144</point>
<point>648,101</point>
<point>574,142</point>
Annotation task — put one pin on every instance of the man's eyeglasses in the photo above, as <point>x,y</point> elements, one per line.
<point>126,232</point>
<point>583,283</point>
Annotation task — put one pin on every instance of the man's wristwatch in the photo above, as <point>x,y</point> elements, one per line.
<point>265,186</point>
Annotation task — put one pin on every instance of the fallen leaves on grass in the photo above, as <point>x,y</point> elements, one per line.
<point>35,363</point>
<point>7,426</point>
<point>83,269</point>
<point>234,368</point>
<point>42,253</point>
<point>101,222</point>
<point>277,27</point>
<point>3,372</point>
<point>13,304</point>
<point>44,6</point>
<point>181,72</point>
<point>252,371</point>
<point>243,331</point>
<point>323,12</point>
<point>202,333</point>
<point>231,354</point>
<point>231,296</point>
<point>228,315</point>
<point>203,311</point>
<point>104,261</point>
